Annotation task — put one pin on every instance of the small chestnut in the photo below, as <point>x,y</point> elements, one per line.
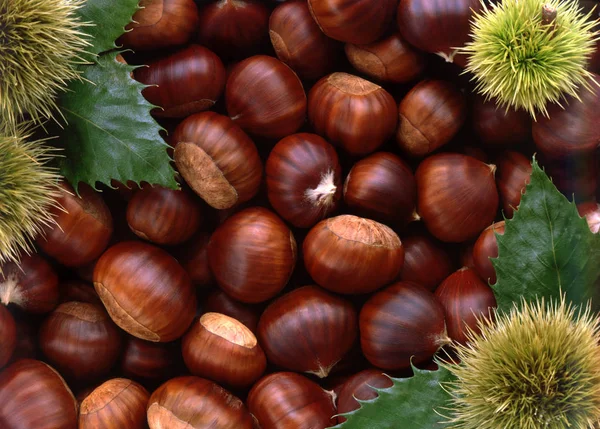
<point>220,302</point>
<point>514,171</point>
<point>485,248</point>
<point>426,262</point>
<point>498,127</point>
<point>591,212</point>
<point>148,361</point>
<point>76,290</point>
<point>8,335</point>
<point>360,386</point>
<point>193,257</point>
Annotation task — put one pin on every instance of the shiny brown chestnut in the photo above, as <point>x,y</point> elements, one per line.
<point>265,97</point>
<point>382,187</point>
<point>352,255</point>
<point>31,285</point>
<point>425,261</point>
<point>466,300</point>
<point>34,395</point>
<point>308,330</point>
<point>224,350</point>
<point>8,334</point>
<point>360,386</point>
<point>188,81</point>
<point>430,115</point>
<point>299,42</point>
<point>457,196</point>
<point>303,179</point>
<point>26,346</point>
<point>252,255</point>
<point>400,324</point>
<point>198,402</point>
<point>116,403</point>
<point>352,112</point>
<point>193,257</point>
<point>591,212</point>
<point>285,400</point>
<point>485,248</point>
<point>83,229</point>
<point>391,59</point>
<point>498,127</point>
<point>145,290</point>
<point>353,22</point>
<point>76,290</point>
<point>514,171</point>
<point>148,361</point>
<point>220,302</point>
<point>217,159</point>
<point>161,24</point>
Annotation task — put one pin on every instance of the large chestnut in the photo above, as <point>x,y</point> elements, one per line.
<point>145,290</point>
<point>252,255</point>
<point>220,302</point>
<point>498,127</point>
<point>485,248</point>
<point>265,97</point>
<point>8,335</point>
<point>352,255</point>
<point>352,112</point>
<point>426,262</point>
<point>285,400</point>
<point>457,196</point>
<point>188,81</point>
<point>303,179</point>
<point>591,212</point>
<point>400,324</point>
<point>148,361</point>
<point>514,171</point>
<point>308,330</point>
<point>217,159</point>
<point>360,386</point>
<point>198,404</point>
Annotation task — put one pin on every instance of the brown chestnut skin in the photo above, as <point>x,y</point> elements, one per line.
<point>498,127</point>
<point>196,403</point>
<point>224,350</point>
<point>466,300</point>
<point>220,302</point>
<point>193,257</point>
<point>31,285</point>
<point>457,196</point>
<point>164,216</point>
<point>360,386</point>
<point>34,395</point>
<point>303,179</point>
<point>83,229</point>
<point>352,112</point>
<point>8,335</point>
<point>118,403</point>
<point>145,291</point>
<point>188,81</point>
<point>148,361</point>
<point>161,24</point>
<point>430,115</point>
<point>234,28</point>
<point>402,323</point>
<point>76,290</point>
<point>217,160</point>
<point>425,261</point>
<point>514,173</point>
<point>80,341</point>
<point>265,97</point>
<point>591,212</point>
<point>485,248</point>
<point>252,255</point>
<point>359,22</point>
<point>351,255</point>
<point>382,187</point>
<point>308,330</point>
<point>285,400</point>
<point>299,42</point>
<point>391,59</point>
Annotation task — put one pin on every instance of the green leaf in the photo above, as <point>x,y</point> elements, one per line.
<point>546,248</point>
<point>110,133</point>
<point>411,403</point>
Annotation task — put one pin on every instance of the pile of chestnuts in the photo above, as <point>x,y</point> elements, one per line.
<point>341,188</point>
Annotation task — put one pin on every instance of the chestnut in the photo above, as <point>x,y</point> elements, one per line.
<point>382,187</point>
<point>360,386</point>
<point>31,285</point>
<point>252,255</point>
<point>391,59</point>
<point>26,345</point>
<point>287,400</point>
<point>164,216</point>
<point>199,404</point>
<point>430,115</point>
<point>217,160</point>
<point>76,290</point>
<point>223,349</point>
<point>145,290</point>
<point>426,262</point>
<point>220,302</point>
<point>265,97</point>
<point>353,22</point>
<point>83,227</point>
<point>116,403</point>
<point>188,81</point>
<point>498,127</point>
<point>193,257</point>
<point>514,171</point>
<point>591,212</point>
<point>148,361</point>
<point>303,179</point>
<point>299,42</point>
<point>34,395</point>
<point>466,300</point>
<point>457,196</point>
<point>8,334</point>
<point>352,255</point>
<point>160,24</point>
<point>485,248</point>
<point>308,330</point>
<point>400,324</point>
<point>352,112</point>
<point>80,340</point>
